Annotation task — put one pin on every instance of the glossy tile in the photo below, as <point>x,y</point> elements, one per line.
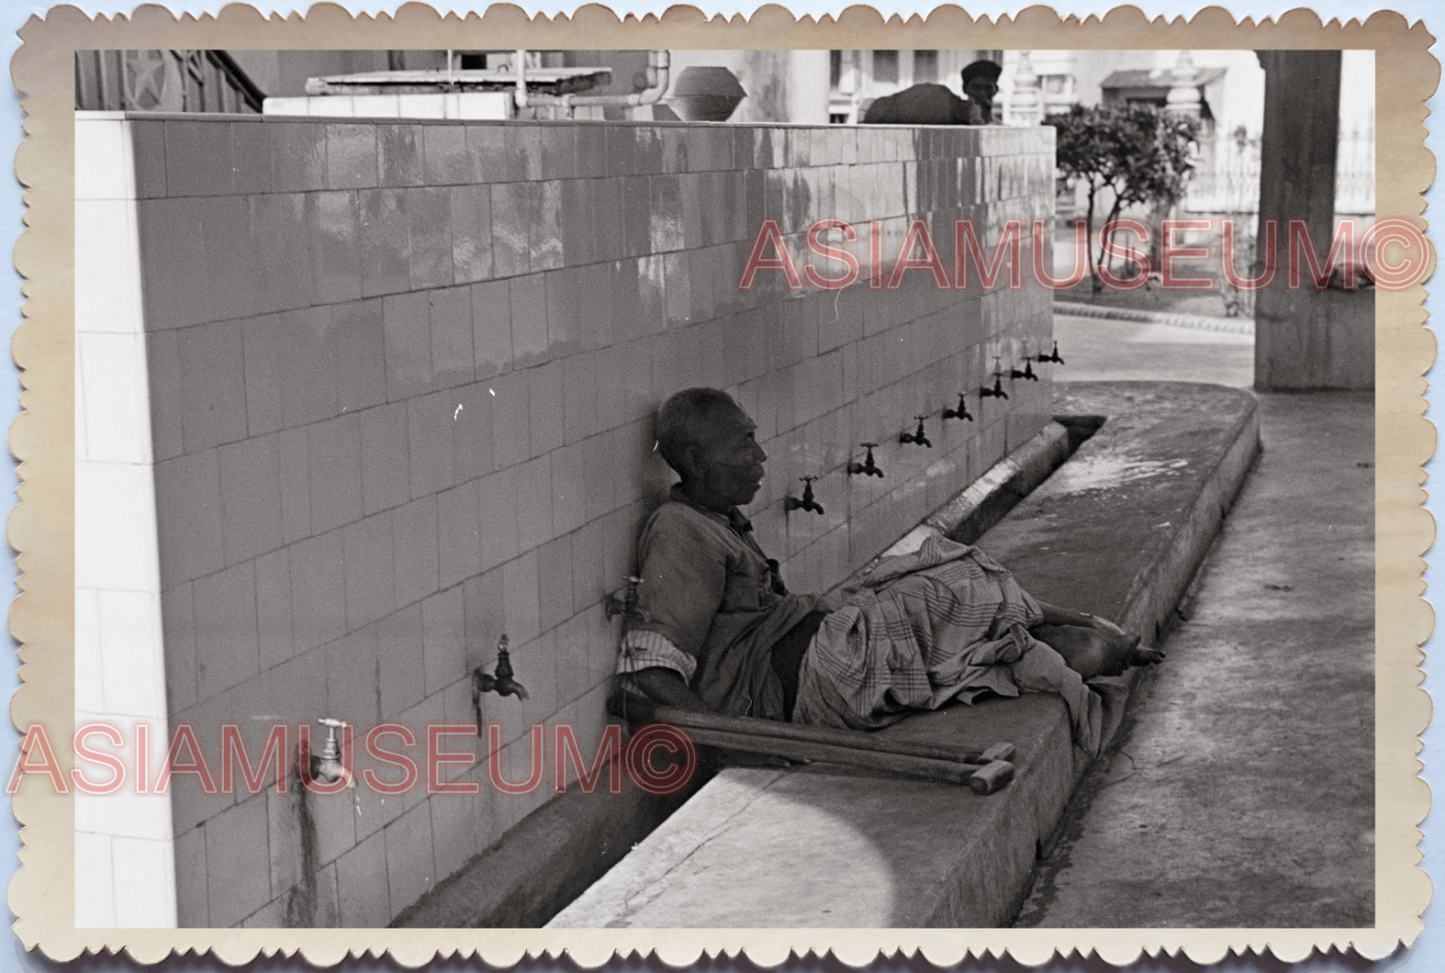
<point>448,162</point>
<point>603,474</point>
<point>491,327</point>
<point>385,249</point>
<point>648,146</point>
<point>511,250</point>
<point>564,312</point>
<point>487,144</point>
<point>399,158</point>
<point>621,149</point>
<point>520,598</point>
<point>497,519</point>
<point>281,259</point>
<point>578,230</point>
<point>534,503</point>
<point>360,354</point>
<point>406,320</point>
<point>530,342</point>
<point>591,151</point>
<point>250,474</point>
<point>409,862</point>
<point>459,554</point>
<point>273,608</point>
<point>546,402</point>
<point>415,544</point>
<point>212,384</point>
<point>511,419</point>
<point>666,212</point>
<point>651,307</point>
<point>444,636</point>
<point>226,234</point>
<point>568,489</point>
<point>251,155</point>
<point>471,221</point>
<point>472,431</point>
<point>298,161</point>
<point>609,241</point>
<point>558,145</point>
<point>198,158</point>
<point>580,397</point>
<point>524,149</point>
<point>367,549</point>
<point>429,442</point>
<point>677,290</point>
<point>332,218</point>
<point>308,366</point>
<point>589,582</point>
<point>554,579</point>
<point>365,902</point>
<point>148,149</point>
<point>636,216</point>
<point>226,645</point>
<point>594,287</point>
<point>334,455</point>
<point>351,156</point>
<point>238,876</point>
<point>451,336</point>
<point>544,219</point>
<point>385,463</point>
<point>172,257</point>
<point>295,477</point>
<point>429,236</point>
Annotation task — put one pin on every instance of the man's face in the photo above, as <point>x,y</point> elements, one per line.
<point>980,90</point>
<point>730,461</point>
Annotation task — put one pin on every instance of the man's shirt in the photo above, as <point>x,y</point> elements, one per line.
<point>923,104</point>
<point>711,608</point>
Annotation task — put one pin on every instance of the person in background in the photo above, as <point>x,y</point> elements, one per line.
<point>934,104</point>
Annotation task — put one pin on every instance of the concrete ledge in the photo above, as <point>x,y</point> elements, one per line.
<point>544,862</point>
<point>1119,530</point>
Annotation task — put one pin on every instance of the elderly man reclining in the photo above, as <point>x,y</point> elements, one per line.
<point>714,628</point>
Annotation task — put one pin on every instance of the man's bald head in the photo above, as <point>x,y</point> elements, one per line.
<point>712,444</point>
<point>685,420</point>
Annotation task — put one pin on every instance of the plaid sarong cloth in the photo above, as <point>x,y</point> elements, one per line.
<point>946,622</point>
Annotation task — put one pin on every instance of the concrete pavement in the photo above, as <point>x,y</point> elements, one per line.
<point>1240,791</point>
<point>1096,349</point>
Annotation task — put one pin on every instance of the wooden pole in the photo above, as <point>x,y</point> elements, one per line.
<point>645,710</point>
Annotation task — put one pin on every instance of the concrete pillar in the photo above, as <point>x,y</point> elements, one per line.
<point>1305,338</point>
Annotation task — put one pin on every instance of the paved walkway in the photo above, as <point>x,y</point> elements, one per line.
<point>1242,795</point>
<point>1096,349</point>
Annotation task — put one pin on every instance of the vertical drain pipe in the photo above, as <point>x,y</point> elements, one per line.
<point>519,67</point>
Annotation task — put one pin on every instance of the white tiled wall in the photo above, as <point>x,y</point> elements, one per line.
<point>401,385</point>
<point>124,872</point>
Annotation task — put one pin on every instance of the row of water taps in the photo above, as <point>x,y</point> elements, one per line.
<point>919,436</point>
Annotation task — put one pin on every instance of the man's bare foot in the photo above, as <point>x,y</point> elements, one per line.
<point>1104,650</point>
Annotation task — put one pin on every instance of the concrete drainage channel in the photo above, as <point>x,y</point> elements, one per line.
<point>1119,531</point>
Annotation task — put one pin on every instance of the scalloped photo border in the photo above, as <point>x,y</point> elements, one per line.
<point>41,528</point>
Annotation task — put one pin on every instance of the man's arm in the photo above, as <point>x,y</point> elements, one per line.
<point>667,686</point>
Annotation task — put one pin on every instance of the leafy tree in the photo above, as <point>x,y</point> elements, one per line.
<point>1140,153</point>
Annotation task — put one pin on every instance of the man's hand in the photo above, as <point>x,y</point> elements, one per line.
<point>666,686</point>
